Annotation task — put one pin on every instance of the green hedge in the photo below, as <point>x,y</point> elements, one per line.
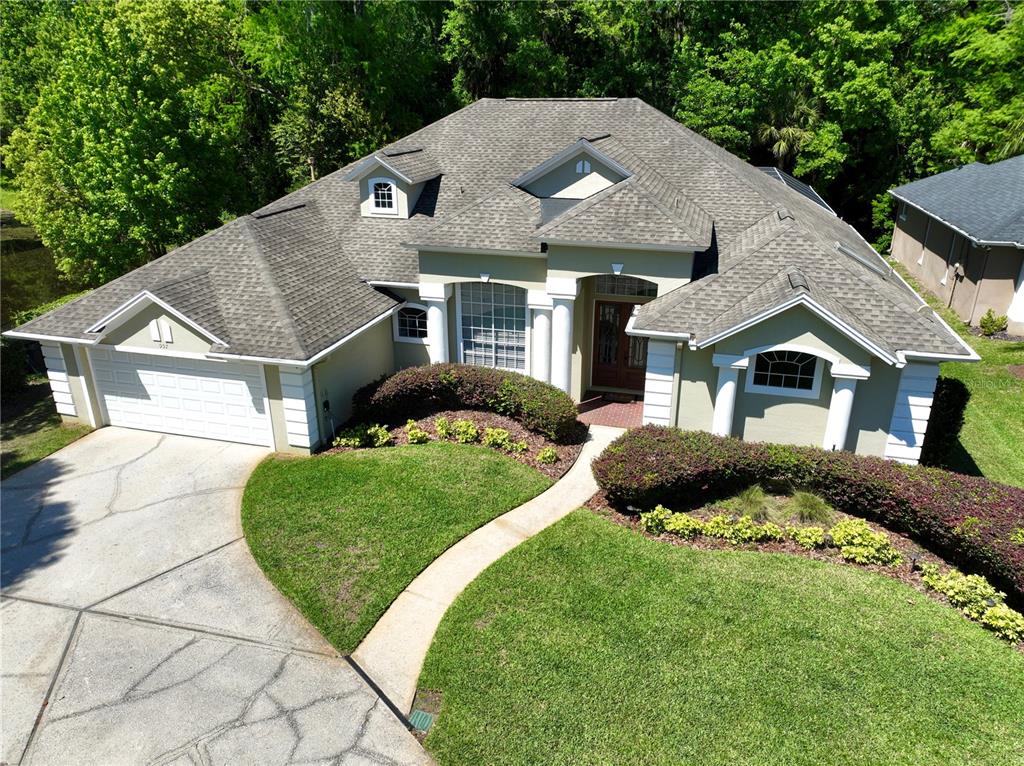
<point>416,392</point>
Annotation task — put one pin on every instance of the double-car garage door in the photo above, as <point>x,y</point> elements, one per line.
<point>193,397</point>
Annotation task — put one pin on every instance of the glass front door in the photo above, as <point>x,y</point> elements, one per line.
<point>620,361</point>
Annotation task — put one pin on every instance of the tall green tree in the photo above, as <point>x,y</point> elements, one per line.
<point>132,146</point>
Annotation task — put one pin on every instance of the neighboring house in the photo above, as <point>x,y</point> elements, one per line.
<point>596,244</point>
<point>961,234</point>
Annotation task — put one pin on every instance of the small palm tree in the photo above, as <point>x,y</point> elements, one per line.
<point>789,128</point>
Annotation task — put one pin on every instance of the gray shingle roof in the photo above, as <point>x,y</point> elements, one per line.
<point>276,286</point>
<point>984,201</point>
<point>287,285</point>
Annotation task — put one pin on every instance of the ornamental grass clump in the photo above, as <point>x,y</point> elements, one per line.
<point>810,508</point>
<point>753,502</point>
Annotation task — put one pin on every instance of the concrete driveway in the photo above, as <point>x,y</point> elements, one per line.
<point>136,628</point>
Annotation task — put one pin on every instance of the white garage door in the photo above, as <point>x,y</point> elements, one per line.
<point>194,397</point>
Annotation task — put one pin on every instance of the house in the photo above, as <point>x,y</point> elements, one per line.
<point>961,234</point>
<point>593,243</point>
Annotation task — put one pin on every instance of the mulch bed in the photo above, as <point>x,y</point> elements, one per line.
<point>905,572</point>
<point>567,453</point>
<point>1001,335</point>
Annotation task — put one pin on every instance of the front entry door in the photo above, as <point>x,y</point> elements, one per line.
<point>620,361</point>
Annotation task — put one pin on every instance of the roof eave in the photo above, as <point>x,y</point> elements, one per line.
<point>957,229</point>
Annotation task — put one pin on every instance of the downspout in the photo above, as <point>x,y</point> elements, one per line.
<point>977,288</point>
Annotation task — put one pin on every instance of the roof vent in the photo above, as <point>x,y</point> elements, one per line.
<point>925,310</point>
<point>278,211</point>
<point>398,152</point>
<point>598,137</point>
<point>783,214</point>
<point>798,281</point>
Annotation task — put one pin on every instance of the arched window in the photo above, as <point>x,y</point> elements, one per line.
<point>410,324</point>
<point>383,196</point>
<point>582,167</point>
<point>492,325</point>
<point>785,373</point>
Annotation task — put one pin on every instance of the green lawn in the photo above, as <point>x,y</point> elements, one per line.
<point>31,429</point>
<point>590,644</point>
<point>992,439</point>
<point>343,535</point>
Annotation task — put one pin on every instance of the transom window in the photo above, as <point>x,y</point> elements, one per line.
<point>582,167</point>
<point>610,284</point>
<point>785,372</point>
<point>411,324</point>
<point>492,324</point>
<point>382,196</point>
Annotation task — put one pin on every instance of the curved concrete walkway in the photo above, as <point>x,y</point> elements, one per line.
<point>393,652</point>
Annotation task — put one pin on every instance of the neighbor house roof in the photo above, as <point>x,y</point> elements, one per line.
<point>291,278</point>
<point>984,202</point>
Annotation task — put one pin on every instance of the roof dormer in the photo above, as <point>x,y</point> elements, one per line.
<point>577,172</point>
<point>391,180</point>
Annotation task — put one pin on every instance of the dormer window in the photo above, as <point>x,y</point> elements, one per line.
<point>583,168</point>
<point>383,197</point>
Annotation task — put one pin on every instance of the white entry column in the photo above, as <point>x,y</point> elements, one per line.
<point>562,292</point>
<point>540,306</point>
<point>729,367</point>
<point>436,296</point>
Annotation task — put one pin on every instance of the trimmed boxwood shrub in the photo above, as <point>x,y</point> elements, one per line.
<point>416,392</point>
<point>968,519</point>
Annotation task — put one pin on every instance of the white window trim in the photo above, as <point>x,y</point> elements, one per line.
<point>394,325</point>
<point>391,211</point>
<point>528,369</point>
<point>790,393</point>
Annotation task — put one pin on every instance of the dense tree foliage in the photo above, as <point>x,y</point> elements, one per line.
<point>131,127</point>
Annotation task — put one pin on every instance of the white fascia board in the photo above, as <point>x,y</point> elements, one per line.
<point>957,229</point>
<point>43,338</point>
<point>581,145</point>
<point>471,250</point>
<point>631,330</point>
<point>367,165</point>
<point>809,303</point>
<point>316,357</point>
<point>622,245</point>
<point>126,310</point>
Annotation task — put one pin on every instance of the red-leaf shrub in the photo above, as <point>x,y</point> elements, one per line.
<point>968,519</point>
<point>416,392</point>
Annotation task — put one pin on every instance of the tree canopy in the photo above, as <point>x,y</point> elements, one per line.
<point>130,127</point>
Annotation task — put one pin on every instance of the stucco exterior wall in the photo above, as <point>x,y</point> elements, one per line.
<point>363,359</point>
<point>135,333</point>
<point>783,419</point>
<point>408,354</point>
<point>563,181</point>
<point>698,379</point>
<point>872,410</point>
<point>406,194</point>
<point>989,277</point>
<point>272,376</point>
<point>449,268</point>
<point>668,270</point>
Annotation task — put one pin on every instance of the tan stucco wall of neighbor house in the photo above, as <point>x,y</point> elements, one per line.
<point>272,374</point>
<point>363,359</point>
<point>135,333</point>
<point>563,181</point>
<point>988,276</point>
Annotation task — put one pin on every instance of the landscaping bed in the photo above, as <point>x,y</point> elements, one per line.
<point>590,643</point>
<point>537,452</point>
<point>342,535</point>
<point>973,522</point>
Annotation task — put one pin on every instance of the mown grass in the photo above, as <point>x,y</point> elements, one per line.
<point>992,439</point>
<point>592,644</point>
<point>31,429</point>
<point>342,535</point>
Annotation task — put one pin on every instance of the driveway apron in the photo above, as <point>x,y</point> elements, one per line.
<point>136,627</point>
